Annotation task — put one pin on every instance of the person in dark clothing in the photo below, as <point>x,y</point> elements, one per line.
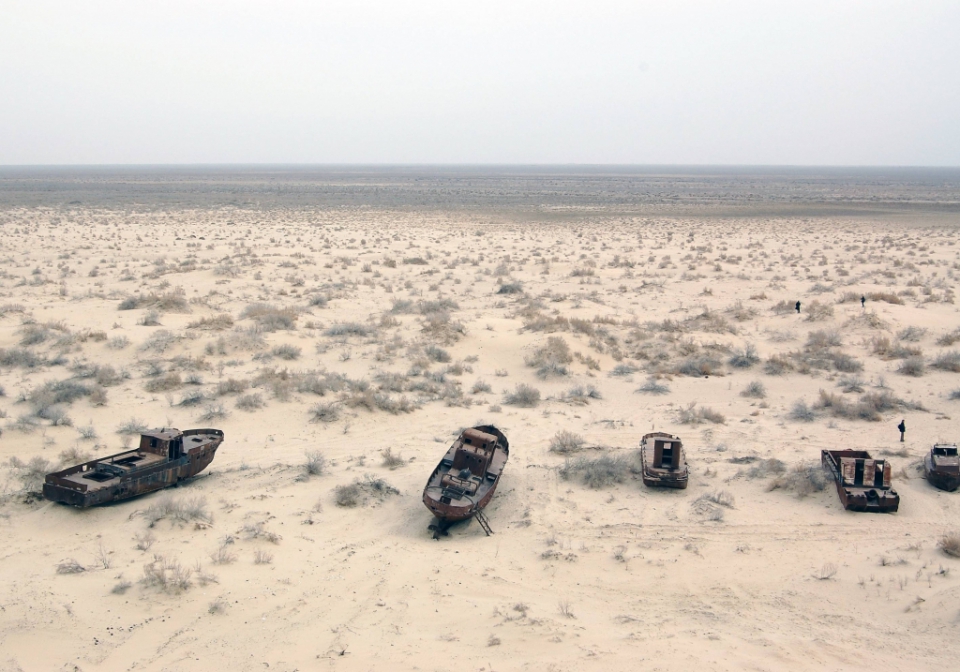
<point>863,301</point>
<point>903,429</point>
<point>798,306</point>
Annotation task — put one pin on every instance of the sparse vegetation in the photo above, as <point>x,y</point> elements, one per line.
<point>524,396</point>
<point>565,442</point>
<point>602,471</point>
<point>754,390</point>
<point>364,490</point>
<point>691,415</point>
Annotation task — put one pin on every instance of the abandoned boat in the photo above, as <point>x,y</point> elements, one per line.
<point>863,483</point>
<point>466,478</point>
<point>942,466</point>
<point>663,461</point>
<point>164,457</point>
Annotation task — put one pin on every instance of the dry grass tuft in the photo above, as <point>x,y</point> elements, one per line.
<point>524,396</point>
<point>565,442</point>
<point>803,479</point>
<point>365,490</point>
<point>602,471</point>
<point>950,544</point>
<point>690,415</point>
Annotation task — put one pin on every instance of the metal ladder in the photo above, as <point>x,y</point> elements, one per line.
<point>483,522</point>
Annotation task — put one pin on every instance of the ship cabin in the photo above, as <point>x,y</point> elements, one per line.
<point>470,464</point>
<point>666,453</point>
<point>165,442</point>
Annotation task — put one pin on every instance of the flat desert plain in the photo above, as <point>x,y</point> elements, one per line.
<point>342,350</point>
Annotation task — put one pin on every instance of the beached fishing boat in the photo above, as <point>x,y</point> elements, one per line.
<point>465,480</point>
<point>941,466</point>
<point>163,458</point>
<point>863,483</point>
<point>663,461</point>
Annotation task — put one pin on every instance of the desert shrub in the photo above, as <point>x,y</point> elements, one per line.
<point>316,463</point>
<point>213,411</point>
<point>754,390</point>
<point>250,402</point>
<point>510,288</point>
<point>886,297</point>
<point>170,381</point>
<point>481,386</point>
<point>178,510</point>
<point>803,479</point>
<point>653,386</point>
<point>551,359</point>
<point>602,471</point>
<point>14,357</point>
<point>318,301</point>
<point>950,544</point>
<point>782,307</point>
<point>349,329</point>
<point>691,415</point>
<point>623,370</point>
<point>947,361</point>
<point>744,358</point>
<point>271,318</point>
<point>868,407</point>
<point>325,412</point>
<point>365,490</point>
<point>777,365</point>
<point>192,398</point>
<point>30,474</point>
<point>287,352</point>
<point>437,354</point>
<point>912,366</point>
<point>582,394</point>
<point>70,566</point>
<point>761,468</point>
<point>118,342</point>
<point>817,311</point>
<point>851,384</point>
<point>949,338</point>
<point>821,339</point>
<point>700,366</point>
<point>213,323</point>
<point>392,460</point>
<point>524,396</point>
<point>231,386</point>
<point>801,412</point>
<point>912,334</point>
<point>721,497</point>
<point>565,442</point>
<point>954,394</point>
<point>166,574</point>
<point>440,327</point>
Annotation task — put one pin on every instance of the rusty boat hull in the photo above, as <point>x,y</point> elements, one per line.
<point>863,484</point>
<point>663,461</point>
<point>451,504</point>
<point>941,467</point>
<point>164,458</point>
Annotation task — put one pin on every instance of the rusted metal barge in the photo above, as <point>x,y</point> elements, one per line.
<point>164,457</point>
<point>663,461</point>
<point>465,480</point>
<point>863,483</point>
<point>941,466</point>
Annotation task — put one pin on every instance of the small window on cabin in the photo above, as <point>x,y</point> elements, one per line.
<point>153,442</point>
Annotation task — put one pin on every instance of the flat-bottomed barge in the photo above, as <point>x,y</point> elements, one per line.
<point>163,458</point>
<point>863,483</point>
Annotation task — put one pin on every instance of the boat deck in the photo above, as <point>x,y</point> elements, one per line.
<point>97,477</point>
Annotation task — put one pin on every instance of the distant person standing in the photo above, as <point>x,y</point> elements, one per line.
<point>903,429</point>
<point>863,301</point>
<point>798,307</point>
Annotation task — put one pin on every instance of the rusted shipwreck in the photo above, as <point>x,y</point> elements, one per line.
<point>164,457</point>
<point>863,483</point>
<point>941,466</point>
<point>465,480</point>
<point>663,462</point>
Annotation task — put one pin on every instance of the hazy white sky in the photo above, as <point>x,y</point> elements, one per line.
<point>868,82</point>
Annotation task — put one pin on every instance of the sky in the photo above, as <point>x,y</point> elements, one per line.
<point>838,82</point>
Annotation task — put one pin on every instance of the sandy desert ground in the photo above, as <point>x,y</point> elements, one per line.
<point>357,343</point>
